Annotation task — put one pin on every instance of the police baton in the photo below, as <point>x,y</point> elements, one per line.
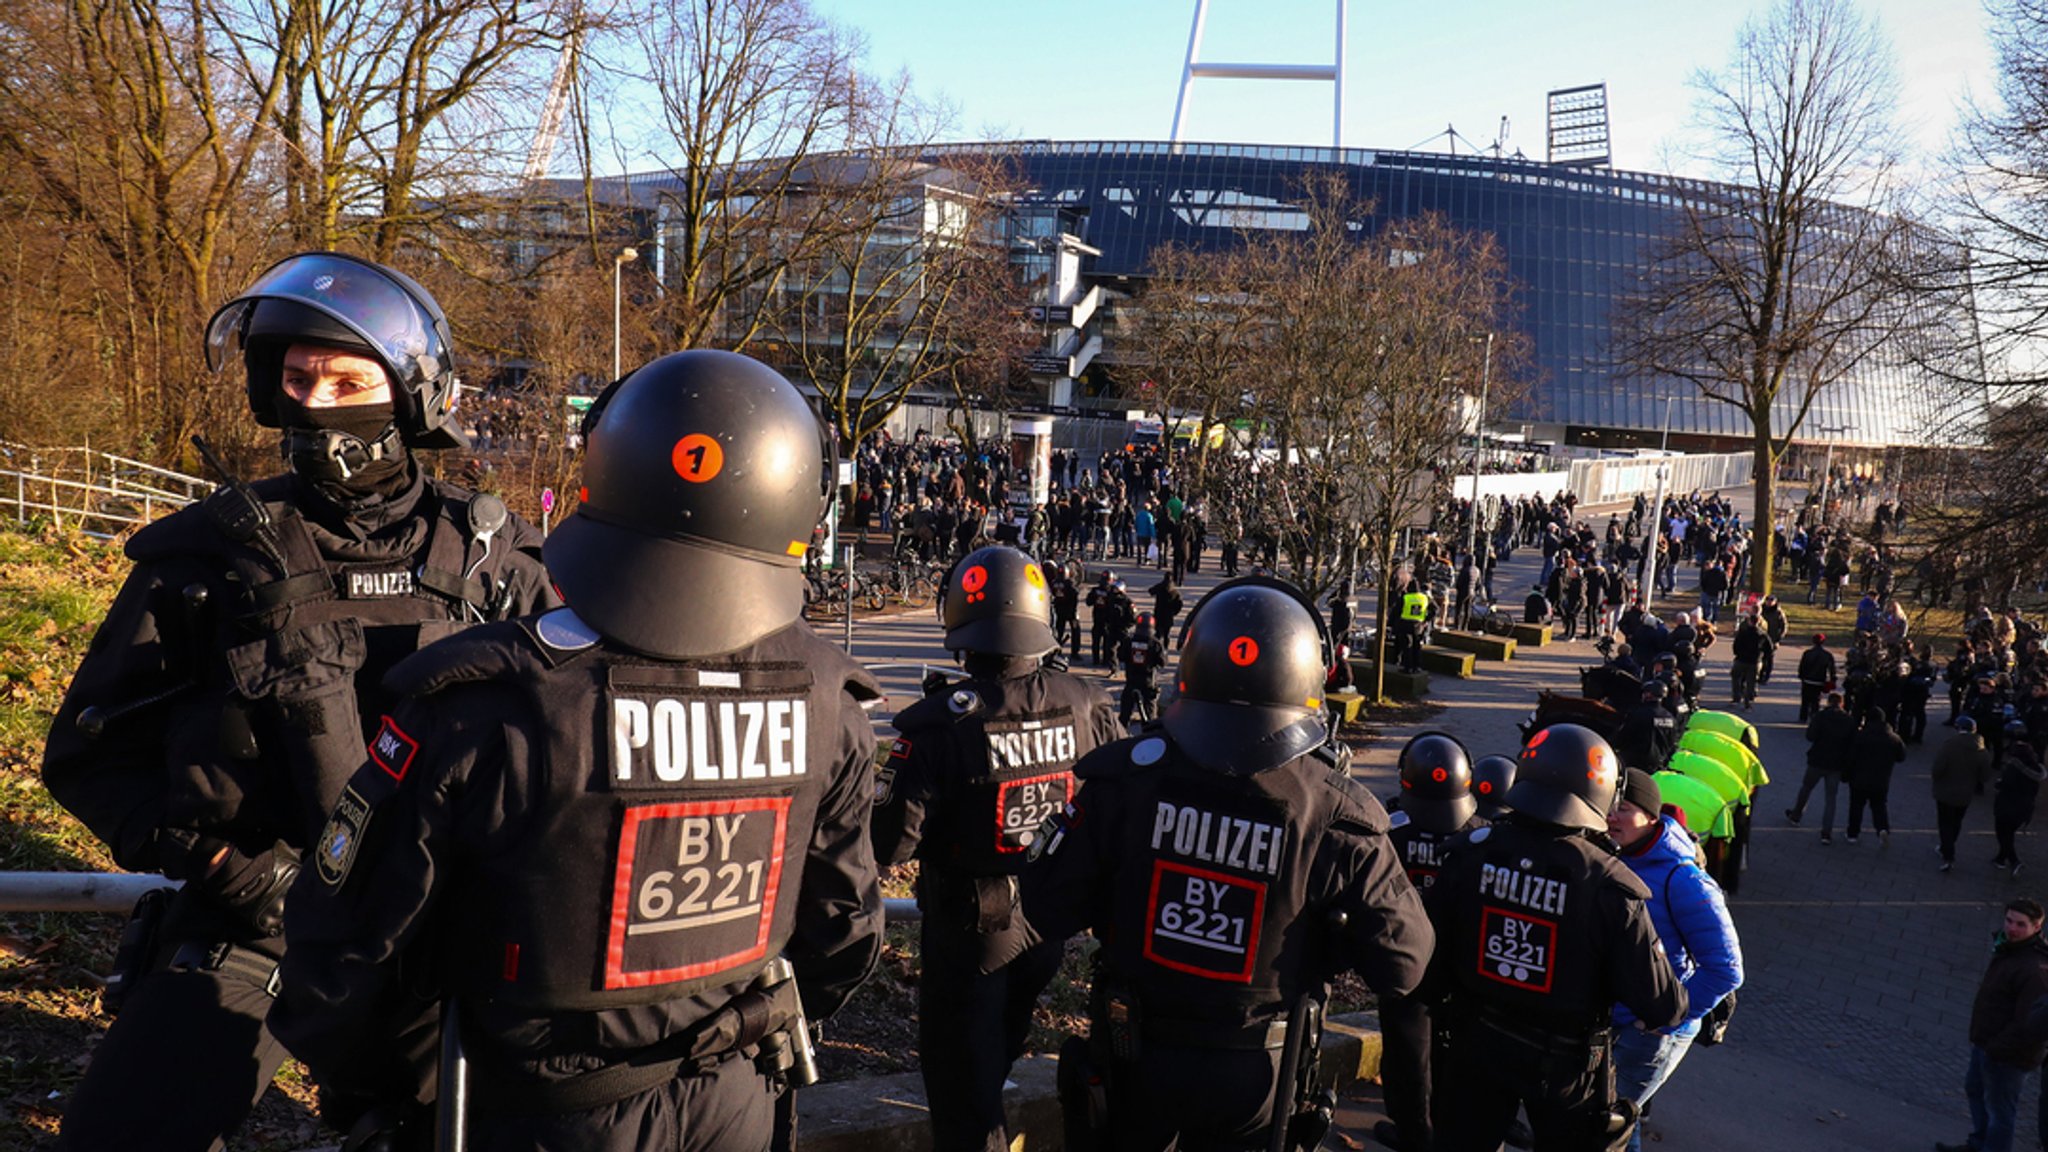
<point>451,1122</point>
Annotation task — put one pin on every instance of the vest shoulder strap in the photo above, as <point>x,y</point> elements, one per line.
<point>504,650</point>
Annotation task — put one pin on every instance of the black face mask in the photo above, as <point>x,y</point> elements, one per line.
<point>356,448</point>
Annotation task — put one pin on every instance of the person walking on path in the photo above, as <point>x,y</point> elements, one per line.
<point>2001,1050</point>
<point>1693,925</point>
<point>1873,752</point>
<point>1816,675</point>
<point>1828,736</point>
<point>2012,805</point>
<point>1961,770</point>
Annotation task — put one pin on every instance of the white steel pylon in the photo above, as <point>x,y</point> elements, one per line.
<point>1193,68</point>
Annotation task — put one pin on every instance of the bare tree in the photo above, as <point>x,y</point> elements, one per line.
<point>1193,338</point>
<point>750,94</point>
<point>907,262</point>
<point>395,112</point>
<point>1783,282</point>
<point>124,129</point>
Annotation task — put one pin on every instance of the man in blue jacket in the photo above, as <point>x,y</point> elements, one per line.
<point>1693,925</point>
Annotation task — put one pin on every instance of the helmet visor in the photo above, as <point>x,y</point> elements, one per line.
<point>357,295</point>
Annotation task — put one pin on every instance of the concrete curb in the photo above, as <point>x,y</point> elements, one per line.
<point>887,1113</point>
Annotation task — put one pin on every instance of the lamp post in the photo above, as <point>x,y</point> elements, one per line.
<point>1656,532</point>
<point>1478,439</point>
<point>619,262</point>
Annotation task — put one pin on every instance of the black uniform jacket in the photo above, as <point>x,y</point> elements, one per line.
<point>1547,928</point>
<point>263,715</point>
<point>1273,855</point>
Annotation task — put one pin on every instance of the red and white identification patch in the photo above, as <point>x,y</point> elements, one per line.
<point>1203,923</point>
<point>694,889</point>
<point>900,750</point>
<point>1517,949</point>
<point>1023,805</point>
<point>392,750</point>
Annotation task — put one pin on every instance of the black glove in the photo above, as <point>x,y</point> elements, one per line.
<point>251,886</point>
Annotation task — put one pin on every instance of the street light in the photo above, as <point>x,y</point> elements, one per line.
<point>1478,438</point>
<point>625,257</point>
<point>1648,592</point>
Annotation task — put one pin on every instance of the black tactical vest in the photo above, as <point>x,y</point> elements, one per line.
<point>1209,908</point>
<point>1011,745</point>
<point>1421,851</point>
<point>306,641</point>
<point>673,802</point>
<point>1524,932</point>
<point>1145,661</point>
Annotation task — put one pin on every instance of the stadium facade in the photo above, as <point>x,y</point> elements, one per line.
<point>1576,238</point>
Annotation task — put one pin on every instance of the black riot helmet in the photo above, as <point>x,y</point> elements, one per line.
<point>703,476</point>
<point>1249,686</point>
<point>1567,775</point>
<point>1492,776</point>
<point>1436,782</point>
<point>338,301</point>
<point>995,601</point>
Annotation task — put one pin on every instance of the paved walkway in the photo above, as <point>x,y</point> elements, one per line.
<point>1862,960</point>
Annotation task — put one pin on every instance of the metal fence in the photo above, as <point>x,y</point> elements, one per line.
<point>98,492</point>
<point>1607,481</point>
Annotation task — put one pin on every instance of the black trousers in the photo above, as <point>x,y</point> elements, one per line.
<point>1809,701</point>
<point>1948,821</point>
<point>1913,722</point>
<point>1404,1069</point>
<point>1742,682</point>
<point>731,1108</point>
<point>970,1028</point>
<point>189,1056</point>
<point>1485,1076</point>
<point>1879,801</point>
<point>1193,1100</point>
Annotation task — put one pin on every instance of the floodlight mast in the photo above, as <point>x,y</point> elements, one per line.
<point>1193,68</point>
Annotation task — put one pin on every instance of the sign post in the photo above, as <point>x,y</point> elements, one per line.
<point>547,508</point>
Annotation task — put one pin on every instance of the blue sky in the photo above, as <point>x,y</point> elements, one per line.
<point>1110,69</point>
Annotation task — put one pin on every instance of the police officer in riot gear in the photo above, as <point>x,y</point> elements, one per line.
<point>1649,732</point>
<point>1543,931</point>
<point>971,776</point>
<point>606,833</point>
<point>1492,776</point>
<point>1435,804</point>
<point>228,695</point>
<point>1230,866</point>
<point>1142,655</point>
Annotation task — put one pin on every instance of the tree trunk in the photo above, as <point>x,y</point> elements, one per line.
<point>1763,517</point>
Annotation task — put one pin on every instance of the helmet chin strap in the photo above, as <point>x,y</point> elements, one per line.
<point>330,455</point>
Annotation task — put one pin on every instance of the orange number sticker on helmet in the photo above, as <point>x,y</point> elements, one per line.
<point>1034,576</point>
<point>973,581</point>
<point>697,457</point>
<point>1244,651</point>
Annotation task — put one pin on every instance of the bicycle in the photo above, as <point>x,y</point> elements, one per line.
<point>827,595</point>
